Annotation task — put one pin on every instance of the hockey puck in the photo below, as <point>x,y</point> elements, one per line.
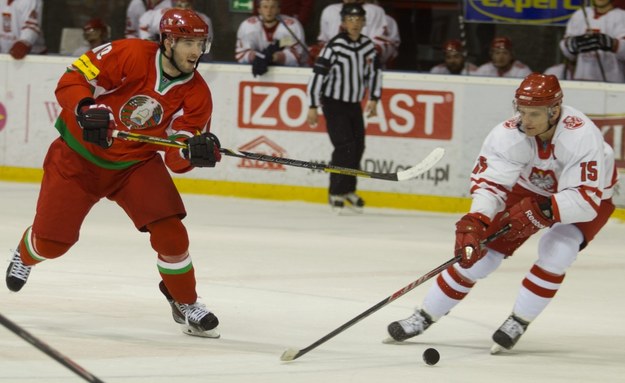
<point>431,356</point>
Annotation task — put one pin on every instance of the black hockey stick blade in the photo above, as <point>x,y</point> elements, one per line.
<point>426,164</point>
<point>291,353</point>
<point>54,354</point>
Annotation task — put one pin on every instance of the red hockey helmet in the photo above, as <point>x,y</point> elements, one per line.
<point>538,90</point>
<point>177,22</point>
<point>501,43</point>
<point>453,45</point>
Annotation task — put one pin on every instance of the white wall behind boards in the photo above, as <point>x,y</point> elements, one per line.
<point>267,114</point>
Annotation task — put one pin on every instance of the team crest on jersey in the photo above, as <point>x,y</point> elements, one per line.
<point>573,122</point>
<point>512,123</point>
<point>544,179</point>
<point>141,112</point>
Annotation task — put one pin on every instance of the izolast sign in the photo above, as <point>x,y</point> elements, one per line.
<point>551,12</point>
<point>405,113</point>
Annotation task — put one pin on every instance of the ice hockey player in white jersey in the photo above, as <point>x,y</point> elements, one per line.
<point>270,39</point>
<point>134,11</point>
<point>546,168</point>
<point>21,28</point>
<point>596,41</point>
<point>502,61</point>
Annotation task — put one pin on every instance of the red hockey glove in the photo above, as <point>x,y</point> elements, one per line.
<point>470,232</point>
<point>19,50</point>
<point>527,217</point>
<point>97,123</point>
<point>203,150</point>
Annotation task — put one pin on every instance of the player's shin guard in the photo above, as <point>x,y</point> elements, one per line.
<point>179,277</point>
<point>450,288</point>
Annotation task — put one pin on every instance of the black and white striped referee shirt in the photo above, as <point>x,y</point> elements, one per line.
<point>344,69</point>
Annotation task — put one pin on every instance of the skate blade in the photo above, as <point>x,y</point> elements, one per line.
<point>355,209</point>
<point>496,349</point>
<point>192,331</point>
<point>390,340</point>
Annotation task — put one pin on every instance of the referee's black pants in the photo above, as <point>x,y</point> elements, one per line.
<point>346,128</point>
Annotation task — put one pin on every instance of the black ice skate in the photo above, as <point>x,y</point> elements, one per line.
<point>355,202</point>
<point>17,272</point>
<point>508,334</point>
<point>337,202</point>
<point>410,327</point>
<point>194,318</point>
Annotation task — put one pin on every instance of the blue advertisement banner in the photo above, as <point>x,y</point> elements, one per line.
<point>540,12</point>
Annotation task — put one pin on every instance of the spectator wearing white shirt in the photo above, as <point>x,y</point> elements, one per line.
<point>502,61</point>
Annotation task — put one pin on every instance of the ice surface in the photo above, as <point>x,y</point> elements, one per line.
<point>284,274</point>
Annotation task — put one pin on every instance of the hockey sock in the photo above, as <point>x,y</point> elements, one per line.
<point>34,250</point>
<point>450,288</point>
<point>170,240</point>
<point>537,290</point>
<point>179,278</point>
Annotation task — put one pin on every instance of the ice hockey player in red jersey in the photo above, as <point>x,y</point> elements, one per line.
<point>131,85</point>
<point>546,168</point>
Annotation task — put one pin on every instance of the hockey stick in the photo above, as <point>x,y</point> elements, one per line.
<point>292,354</point>
<point>297,40</point>
<point>426,164</point>
<point>588,30</point>
<point>463,35</point>
<point>54,354</point>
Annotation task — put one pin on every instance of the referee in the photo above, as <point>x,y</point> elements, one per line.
<point>346,66</point>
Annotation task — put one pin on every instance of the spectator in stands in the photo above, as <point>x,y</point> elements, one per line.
<point>135,9</point>
<point>503,63</point>
<point>95,33</point>
<point>455,60</point>
<point>270,39</point>
<point>376,28</point>
<point>389,43</point>
<point>594,39</point>
<point>21,32</point>
<point>563,71</point>
<point>299,9</point>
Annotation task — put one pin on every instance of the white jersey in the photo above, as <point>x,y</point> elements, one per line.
<point>135,9</point>
<point>612,24</point>
<point>517,70</point>
<point>150,22</point>
<point>389,43</point>
<point>21,20</point>
<point>376,27</point>
<point>576,168</point>
<point>561,71</point>
<point>468,69</point>
<point>253,36</point>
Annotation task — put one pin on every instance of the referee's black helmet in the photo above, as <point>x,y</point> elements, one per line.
<point>352,9</point>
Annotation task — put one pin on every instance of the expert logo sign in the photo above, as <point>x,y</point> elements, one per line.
<point>404,113</point>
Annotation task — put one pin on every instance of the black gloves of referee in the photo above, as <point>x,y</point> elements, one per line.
<point>203,150</point>
<point>589,42</point>
<point>263,59</point>
<point>97,122</point>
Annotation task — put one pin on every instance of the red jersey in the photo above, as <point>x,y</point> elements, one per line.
<point>126,75</point>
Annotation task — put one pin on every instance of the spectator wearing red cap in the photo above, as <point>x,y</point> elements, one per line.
<point>95,32</point>
<point>21,33</point>
<point>455,60</point>
<point>502,62</point>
